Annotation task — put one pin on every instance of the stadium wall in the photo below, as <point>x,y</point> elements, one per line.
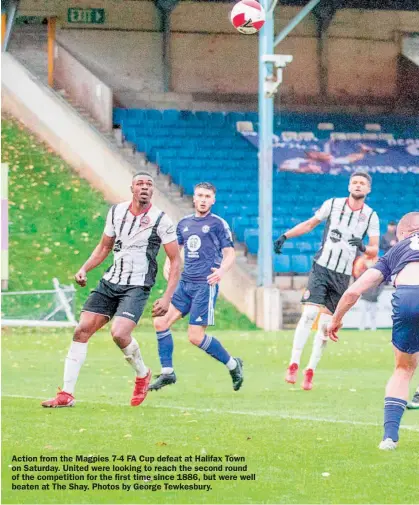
<point>208,56</point>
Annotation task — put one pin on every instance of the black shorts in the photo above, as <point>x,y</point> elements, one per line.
<point>325,287</point>
<point>116,300</point>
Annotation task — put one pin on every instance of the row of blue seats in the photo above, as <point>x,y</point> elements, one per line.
<point>146,143</point>
<point>292,264</point>
<point>301,121</point>
<point>172,116</point>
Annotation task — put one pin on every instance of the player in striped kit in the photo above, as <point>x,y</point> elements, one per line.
<point>134,230</point>
<point>348,221</point>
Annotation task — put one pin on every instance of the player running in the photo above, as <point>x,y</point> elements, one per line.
<point>209,254</point>
<point>348,221</point>
<point>400,264</point>
<point>134,230</point>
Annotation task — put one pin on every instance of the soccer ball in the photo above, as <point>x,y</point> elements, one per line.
<point>248,16</point>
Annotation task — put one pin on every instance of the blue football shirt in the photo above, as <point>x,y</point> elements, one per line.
<point>203,238</point>
<point>404,252</point>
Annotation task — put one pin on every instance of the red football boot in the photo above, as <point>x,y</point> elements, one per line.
<point>62,399</point>
<point>291,376</point>
<point>140,389</point>
<point>308,379</point>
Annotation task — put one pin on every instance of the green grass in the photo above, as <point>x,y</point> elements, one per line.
<point>56,220</point>
<point>289,437</point>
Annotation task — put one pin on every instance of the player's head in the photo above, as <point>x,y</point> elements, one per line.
<point>204,197</point>
<point>408,224</point>
<point>360,185</point>
<point>142,187</point>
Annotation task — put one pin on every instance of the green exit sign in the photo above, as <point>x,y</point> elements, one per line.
<point>86,16</point>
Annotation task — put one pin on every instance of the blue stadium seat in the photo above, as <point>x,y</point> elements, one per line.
<point>282,263</point>
<point>300,263</point>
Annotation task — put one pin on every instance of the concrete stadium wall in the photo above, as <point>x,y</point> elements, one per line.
<point>209,56</point>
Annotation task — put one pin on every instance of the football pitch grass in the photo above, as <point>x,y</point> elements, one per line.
<point>303,447</point>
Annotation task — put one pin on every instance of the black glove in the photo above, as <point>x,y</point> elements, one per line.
<point>357,242</point>
<point>279,243</point>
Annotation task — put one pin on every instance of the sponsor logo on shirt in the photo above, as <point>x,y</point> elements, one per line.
<point>335,236</point>
<point>194,243</point>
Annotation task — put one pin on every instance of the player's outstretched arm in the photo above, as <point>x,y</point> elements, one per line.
<point>161,306</point>
<point>370,279</point>
<point>229,257</point>
<point>297,231</point>
<point>99,255</point>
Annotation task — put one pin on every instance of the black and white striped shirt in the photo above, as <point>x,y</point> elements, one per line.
<point>342,224</point>
<point>137,243</point>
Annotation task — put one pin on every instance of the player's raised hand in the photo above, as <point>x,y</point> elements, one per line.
<point>216,276</point>
<point>160,307</point>
<point>81,277</point>
<point>332,330</point>
<point>279,243</point>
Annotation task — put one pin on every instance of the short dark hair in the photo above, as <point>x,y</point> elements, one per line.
<point>142,173</point>
<point>392,223</point>
<point>360,173</point>
<point>206,185</point>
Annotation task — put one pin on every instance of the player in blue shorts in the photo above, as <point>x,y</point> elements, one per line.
<point>209,254</point>
<point>401,265</point>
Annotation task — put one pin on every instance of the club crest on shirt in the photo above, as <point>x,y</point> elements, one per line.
<point>205,229</point>
<point>144,221</point>
<point>362,217</point>
<point>306,294</point>
<point>335,236</point>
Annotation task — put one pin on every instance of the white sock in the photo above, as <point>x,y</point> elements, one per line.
<point>167,370</point>
<point>73,363</point>
<point>320,341</point>
<point>303,331</point>
<point>134,358</point>
<point>231,363</point>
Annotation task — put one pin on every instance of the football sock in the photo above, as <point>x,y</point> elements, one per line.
<point>134,358</point>
<point>319,344</point>
<point>393,412</point>
<point>303,331</point>
<point>214,348</point>
<point>73,363</point>
<point>165,348</point>
<point>231,363</point>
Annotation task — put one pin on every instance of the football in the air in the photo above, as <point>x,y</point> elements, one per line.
<point>248,16</point>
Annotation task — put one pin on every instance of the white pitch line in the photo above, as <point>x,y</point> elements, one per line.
<point>258,413</point>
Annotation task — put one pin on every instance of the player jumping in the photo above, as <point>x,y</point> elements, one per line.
<point>209,254</point>
<point>134,230</point>
<point>401,264</point>
<point>348,221</point>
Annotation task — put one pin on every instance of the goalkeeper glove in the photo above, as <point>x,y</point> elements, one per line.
<point>357,242</point>
<point>279,243</point>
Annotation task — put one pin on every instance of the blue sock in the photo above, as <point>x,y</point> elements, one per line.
<point>214,348</point>
<point>165,347</point>
<point>393,411</point>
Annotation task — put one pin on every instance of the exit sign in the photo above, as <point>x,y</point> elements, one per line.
<point>86,16</point>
